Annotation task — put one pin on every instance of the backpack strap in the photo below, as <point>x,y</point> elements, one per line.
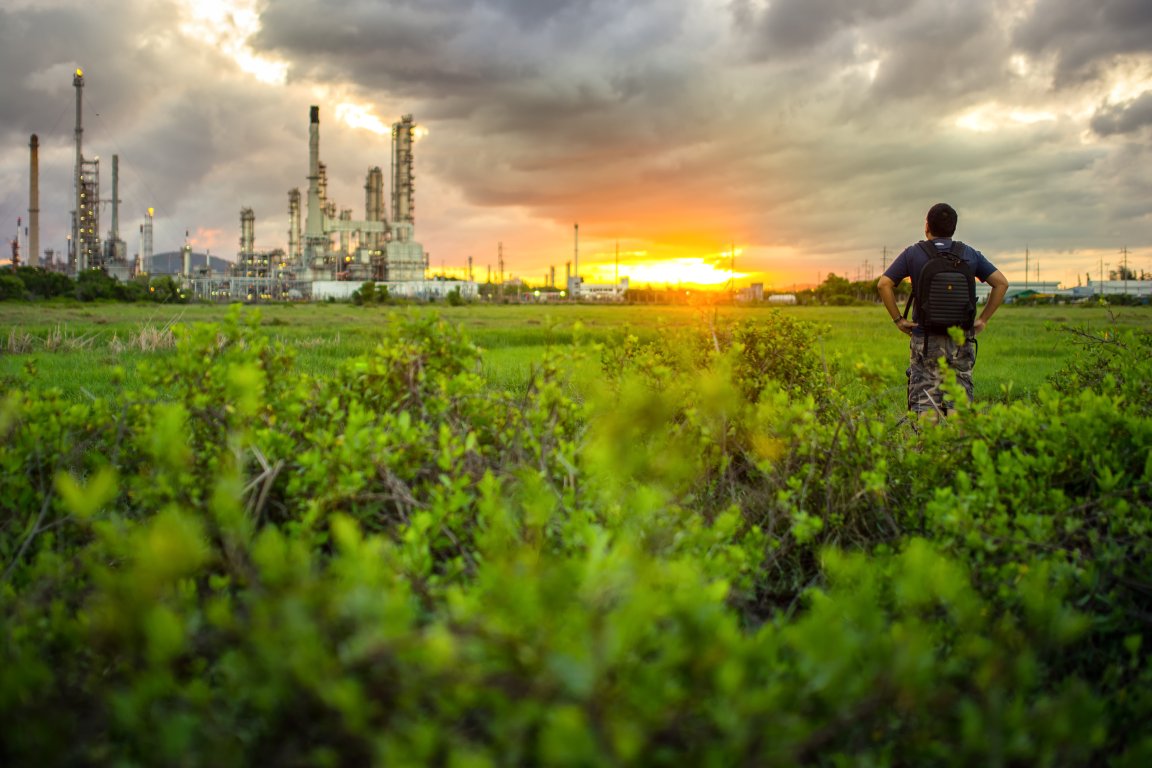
<point>932,252</point>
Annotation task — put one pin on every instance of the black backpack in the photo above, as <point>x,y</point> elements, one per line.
<point>945,290</point>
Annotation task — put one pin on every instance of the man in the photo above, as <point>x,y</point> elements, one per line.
<point>924,374</point>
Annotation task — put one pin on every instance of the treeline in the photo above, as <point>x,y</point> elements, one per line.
<point>838,291</point>
<point>24,283</point>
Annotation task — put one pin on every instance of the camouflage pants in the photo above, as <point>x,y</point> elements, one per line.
<point>925,376</point>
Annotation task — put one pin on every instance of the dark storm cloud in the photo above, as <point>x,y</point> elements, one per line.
<point>1128,117</point>
<point>824,125</point>
<point>792,26</point>
<point>175,115</point>
<point>939,53</point>
<point>538,83</point>
<point>1085,36</point>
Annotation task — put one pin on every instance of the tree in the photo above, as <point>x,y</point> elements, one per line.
<point>165,290</point>
<point>93,284</point>
<point>44,284</point>
<point>11,288</point>
<point>365,294</point>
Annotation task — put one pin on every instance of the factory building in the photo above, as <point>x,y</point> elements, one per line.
<point>325,244</point>
<point>328,249</point>
<point>338,247</point>
<point>85,249</point>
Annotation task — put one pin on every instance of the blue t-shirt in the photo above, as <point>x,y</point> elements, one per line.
<point>913,258</point>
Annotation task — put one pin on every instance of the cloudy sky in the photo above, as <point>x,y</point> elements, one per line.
<point>811,135</point>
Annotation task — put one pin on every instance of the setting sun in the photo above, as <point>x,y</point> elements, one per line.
<point>641,269</point>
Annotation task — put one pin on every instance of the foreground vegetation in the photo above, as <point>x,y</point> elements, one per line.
<point>722,554</point>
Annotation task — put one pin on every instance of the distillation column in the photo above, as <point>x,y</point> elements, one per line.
<point>146,240</point>
<point>247,255</point>
<point>403,188</point>
<point>294,253</point>
<point>85,218</point>
<point>405,259</point>
<point>374,205</point>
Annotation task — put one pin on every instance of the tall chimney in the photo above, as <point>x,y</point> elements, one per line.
<point>34,203</point>
<point>314,224</point>
<point>78,249</point>
<point>115,233</point>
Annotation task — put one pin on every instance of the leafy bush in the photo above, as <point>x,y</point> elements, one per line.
<point>45,284</point>
<point>11,288</point>
<point>236,563</point>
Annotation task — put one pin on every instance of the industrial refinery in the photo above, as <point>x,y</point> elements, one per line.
<point>329,252</point>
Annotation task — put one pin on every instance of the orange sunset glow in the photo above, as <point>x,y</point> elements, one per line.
<point>687,271</point>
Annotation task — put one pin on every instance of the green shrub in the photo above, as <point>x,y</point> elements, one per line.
<point>12,288</point>
<point>714,560</point>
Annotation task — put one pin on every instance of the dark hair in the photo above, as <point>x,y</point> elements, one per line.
<point>942,220</point>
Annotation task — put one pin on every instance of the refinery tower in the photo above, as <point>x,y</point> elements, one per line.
<point>333,244</point>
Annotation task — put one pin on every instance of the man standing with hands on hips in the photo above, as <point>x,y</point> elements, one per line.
<point>943,273</point>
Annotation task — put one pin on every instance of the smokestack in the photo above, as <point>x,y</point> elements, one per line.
<point>34,203</point>
<point>78,83</point>
<point>115,234</point>
<point>314,226</point>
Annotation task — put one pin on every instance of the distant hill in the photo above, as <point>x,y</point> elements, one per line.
<point>172,262</point>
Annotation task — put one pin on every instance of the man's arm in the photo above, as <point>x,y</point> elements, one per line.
<point>999,285</point>
<point>886,288</point>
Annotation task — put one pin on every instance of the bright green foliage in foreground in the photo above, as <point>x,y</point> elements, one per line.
<point>718,564</point>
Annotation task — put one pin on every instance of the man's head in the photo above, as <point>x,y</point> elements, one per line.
<point>941,221</point>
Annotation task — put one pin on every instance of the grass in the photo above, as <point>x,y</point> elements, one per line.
<point>75,347</point>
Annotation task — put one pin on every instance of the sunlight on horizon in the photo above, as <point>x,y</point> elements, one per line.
<point>685,270</point>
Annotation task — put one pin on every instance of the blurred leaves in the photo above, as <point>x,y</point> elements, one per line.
<point>714,559</point>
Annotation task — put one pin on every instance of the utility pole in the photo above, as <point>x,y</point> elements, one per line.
<point>617,268</point>
<point>575,284</point>
<point>1125,268</point>
<point>1025,267</point>
<point>500,262</point>
<point>732,272</point>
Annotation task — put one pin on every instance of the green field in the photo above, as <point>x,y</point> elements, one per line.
<point>76,347</point>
